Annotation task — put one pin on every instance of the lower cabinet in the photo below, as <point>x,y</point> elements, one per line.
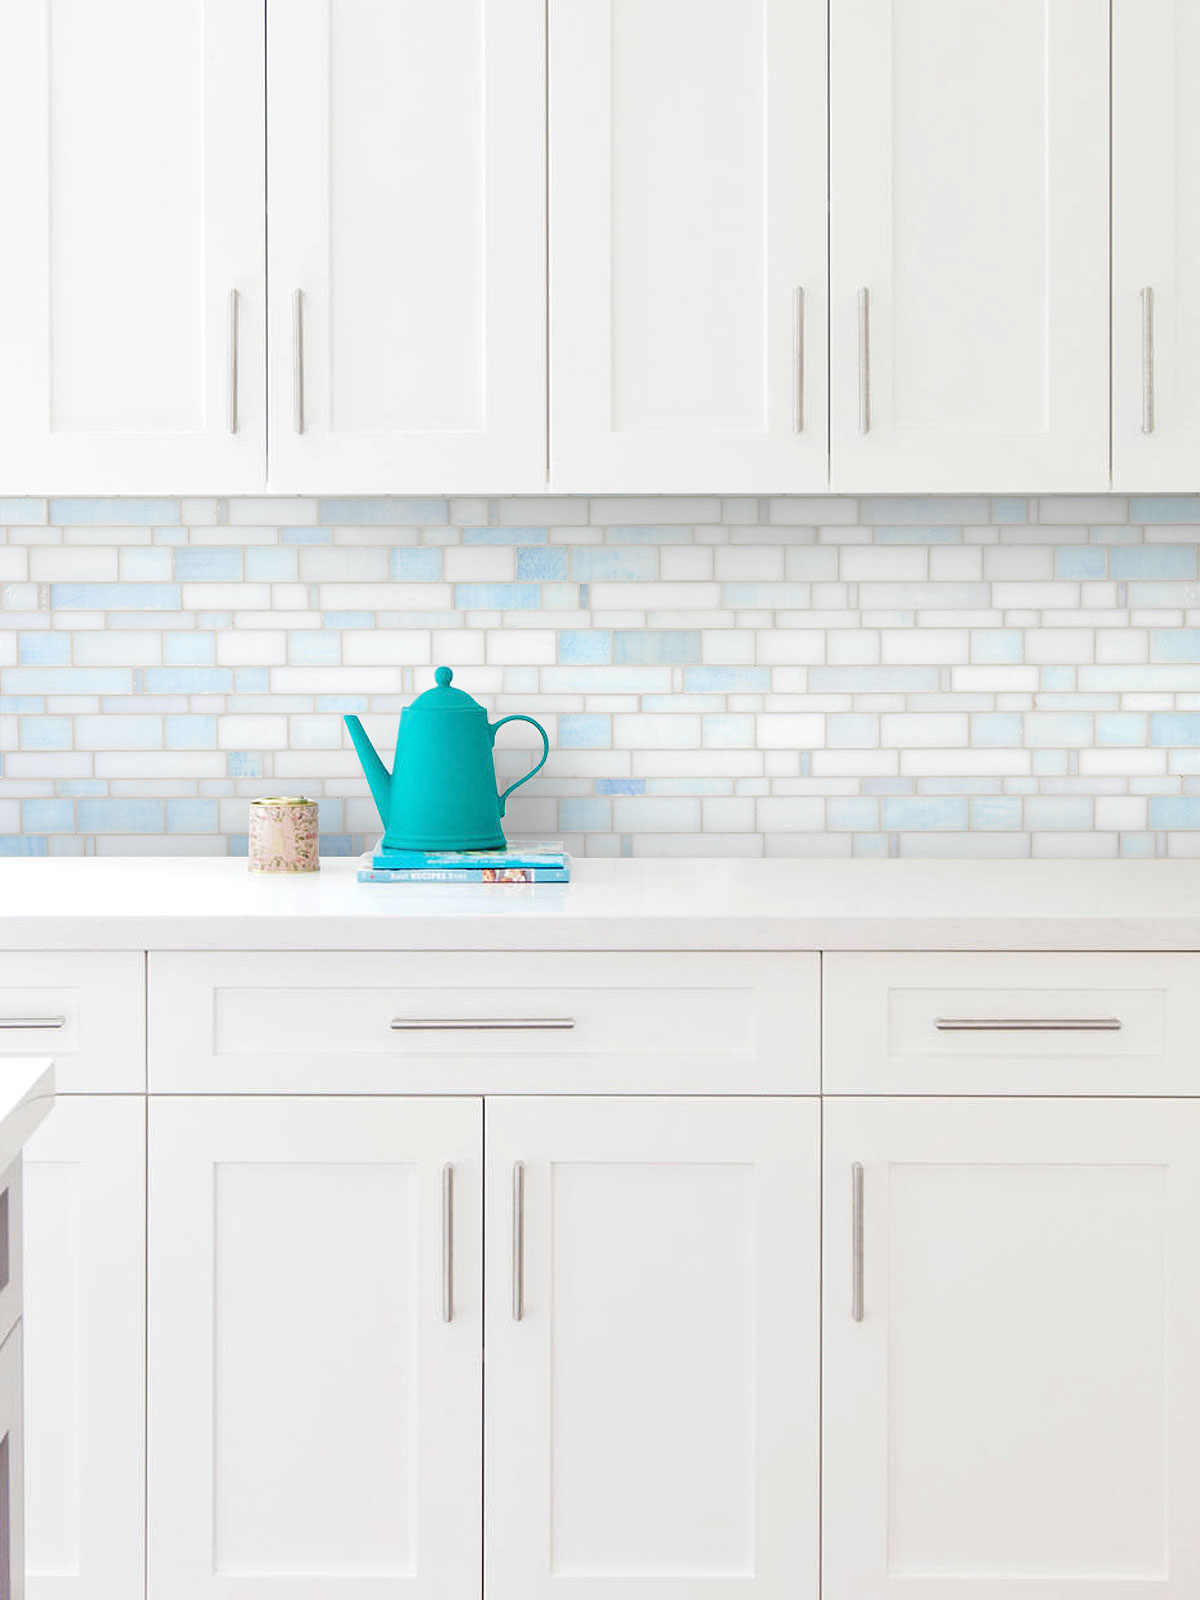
<point>84,1291</point>
<point>12,1557</point>
<point>1011,1327</point>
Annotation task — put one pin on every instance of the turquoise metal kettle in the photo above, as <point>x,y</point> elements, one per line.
<point>441,793</point>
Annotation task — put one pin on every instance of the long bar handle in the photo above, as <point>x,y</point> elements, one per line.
<point>33,1022</point>
<point>856,1241</point>
<point>1027,1024</point>
<point>1147,360</point>
<point>448,1242</point>
<point>798,360</point>
<point>477,1024</point>
<point>864,360</point>
<point>234,306</point>
<point>298,360</point>
<point>518,1241</point>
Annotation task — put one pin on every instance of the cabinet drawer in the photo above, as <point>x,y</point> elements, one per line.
<point>85,1011</point>
<point>475,1023</point>
<point>1012,1024</point>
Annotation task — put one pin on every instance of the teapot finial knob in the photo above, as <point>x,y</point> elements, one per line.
<point>442,677</point>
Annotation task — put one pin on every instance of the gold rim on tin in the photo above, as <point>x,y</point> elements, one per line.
<point>283,800</point>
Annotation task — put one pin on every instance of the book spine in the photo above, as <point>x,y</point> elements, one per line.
<point>487,875</point>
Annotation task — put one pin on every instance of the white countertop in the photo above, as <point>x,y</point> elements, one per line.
<point>197,903</point>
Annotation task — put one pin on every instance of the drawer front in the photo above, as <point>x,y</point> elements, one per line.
<point>473,1023</point>
<point>944,1023</point>
<point>84,1010</point>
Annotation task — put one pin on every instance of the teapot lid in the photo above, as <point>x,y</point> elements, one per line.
<point>443,697</point>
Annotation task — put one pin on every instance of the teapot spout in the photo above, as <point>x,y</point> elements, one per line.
<point>377,774</point>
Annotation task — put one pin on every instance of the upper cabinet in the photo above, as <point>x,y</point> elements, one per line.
<point>132,274</point>
<point>969,212</point>
<point>1156,245</point>
<point>687,245</point>
<point>407,245</point>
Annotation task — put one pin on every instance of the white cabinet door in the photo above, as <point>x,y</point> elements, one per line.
<point>1016,1416</point>
<point>84,1267</point>
<point>652,1291</point>
<point>12,1563</point>
<point>315,1325</point>
<point>407,246</point>
<point>969,245</point>
<point>1156,245</point>
<point>688,246</point>
<point>132,195</point>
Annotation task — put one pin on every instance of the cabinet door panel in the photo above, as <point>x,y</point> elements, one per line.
<point>84,1272</point>
<point>407,151</point>
<point>652,1416</point>
<point>687,206</point>
<point>969,245</point>
<point>133,197</point>
<point>1017,1412</point>
<point>314,1420</point>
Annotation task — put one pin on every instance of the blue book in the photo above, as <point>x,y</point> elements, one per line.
<point>541,853</point>
<point>488,875</point>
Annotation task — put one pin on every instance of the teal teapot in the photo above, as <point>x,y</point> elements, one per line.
<point>441,793</point>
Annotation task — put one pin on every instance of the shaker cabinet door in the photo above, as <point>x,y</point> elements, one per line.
<point>315,1328</point>
<point>1012,1313</point>
<point>687,246</point>
<point>132,274</point>
<point>969,254</point>
<point>407,246</point>
<point>652,1294</point>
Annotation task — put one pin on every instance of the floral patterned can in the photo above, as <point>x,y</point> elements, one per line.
<point>283,835</point>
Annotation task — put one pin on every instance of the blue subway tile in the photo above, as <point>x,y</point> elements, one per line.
<point>596,564</point>
<point>996,812</point>
<point>923,508</point>
<point>44,649</point>
<point>70,680</point>
<point>314,647</point>
<point>193,649</point>
<point>915,533</point>
<point>250,680</point>
<point>1010,508</point>
<point>653,533</point>
<point>505,535</point>
<point>585,815</point>
<point>188,680</point>
<point>115,596</point>
<point>48,816</point>
<point>719,680</point>
<point>852,814</point>
<point>392,511</point>
<point>620,786</point>
<point>1175,644</point>
<point>1164,508</point>
<point>584,731</point>
<point>1121,728</point>
<point>189,815</point>
<point>655,646</point>
<point>497,596</point>
<point>244,764</point>
<point>306,535</point>
<point>918,813</point>
<point>347,619</point>
<point>342,702</point>
<point>338,844</point>
<point>192,732</point>
<point>1080,561</point>
<point>586,647</point>
<point>1175,729</point>
<point>271,564</point>
<point>47,733</point>
<point>542,565</point>
<point>16,705</point>
<point>416,564</point>
<point>218,563</point>
<point>1057,680</point>
<point>113,511</point>
<point>22,844</point>
<point>120,816</point>
<point>21,511</point>
<point>1174,811</point>
<point>74,787</point>
<point>1152,561</point>
<point>992,645</point>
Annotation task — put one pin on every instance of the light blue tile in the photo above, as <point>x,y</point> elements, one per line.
<point>348,619</point>
<point>580,731</point>
<point>1080,561</point>
<point>271,564</point>
<point>651,646</point>
<point>21,844</point>
<point>190,732</point>
<point>1138,846</point>
<point>1010,508</point>
<point>1164,508</point>
<point>47,733</point>
<point>44,649</point>
<point>1174,811</point>
<point>884,786</point>
<point>992,645</point>
<point>339,844</point>
<point>923,508</point>
<point>996,812</point>
<point>188,815</point>
<point>852,814</point>
<point>873,680</point>
<point>1175,729</point>
<point>218,564</point>
<point>416,564</point>
<point>193,649</point>
<point>47,816</point>
<point>114,596</point>
<point>588,647</point>
<point>22,511</point>
<point>720,680</point>
<point>1121,728</point>
<point>505,535</point>
<point>120,816</point>
<point>314,647</point>
<point>920,813</point>
<point>215,621</point>
<point>384,511</point>
<point>655,533</point>
<point>1152,561</point>
<point>16,705</point>
<point>597,564</point>
<point>188,680</point>
<point>1175,644</point>
<point>996,730</point>
<point>538,565</point>
<point>306,535</point>
<point>70,680</point>
<point>915,533</point>
<point>620,785</point>
<point>1057,680</point>
<point>1046,812</point>
<point>497,596</point>
<point>852,730</point>
<point>245,763</point>
<point>585,815</point>
<point>112,511</point>
<point>250,680</point>
<point>81,786</point>
<point>342,703</point>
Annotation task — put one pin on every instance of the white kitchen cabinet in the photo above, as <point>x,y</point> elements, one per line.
<point>652,1334</point>
<point>1016,1414</point>
<point>84,1203</point>
<point>12,1476</point>
<point>132,281</point>
<point>687,246</point>
<point>407,246</point>
<point>1156,245</point>
<point>969,254</point>
<point>315,1321</point>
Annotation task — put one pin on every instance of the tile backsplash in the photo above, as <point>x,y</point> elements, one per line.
<point>881,677</point>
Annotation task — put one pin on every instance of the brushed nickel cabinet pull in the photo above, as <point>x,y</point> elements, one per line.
<point>33,1022</point>
<point>477,1024</point>
<point>233,361</point>
<point>798,360</point>
<point>864,361</point>
<point>1147,360</point>
<point>298,360</point>
<point>856,1242</point>
<point>1027,1024</point>
<point>518,1242</point>
<point>448,1242</point>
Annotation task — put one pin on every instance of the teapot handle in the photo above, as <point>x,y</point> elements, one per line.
<point>494,726</point>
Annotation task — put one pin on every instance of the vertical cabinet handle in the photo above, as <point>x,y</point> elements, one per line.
<point>448,1243</point>
<point>798,360</point>
<point>233,360</point>
<point>864,361</point>
<point>1147,360</point>
<point>856,1242</point>
<point>518,1241</point>
<point>298,360</point>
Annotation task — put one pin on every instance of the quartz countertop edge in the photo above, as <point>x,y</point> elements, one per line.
<point>200,902</point>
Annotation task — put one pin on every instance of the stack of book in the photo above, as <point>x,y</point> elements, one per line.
<point>522,861</point>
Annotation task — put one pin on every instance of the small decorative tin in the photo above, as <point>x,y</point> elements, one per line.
<point>283,835</point>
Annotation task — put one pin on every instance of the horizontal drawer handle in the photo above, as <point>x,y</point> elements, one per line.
<point>33,1022</point>
<point>1027,1024</point>
<point>476,1024</point>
